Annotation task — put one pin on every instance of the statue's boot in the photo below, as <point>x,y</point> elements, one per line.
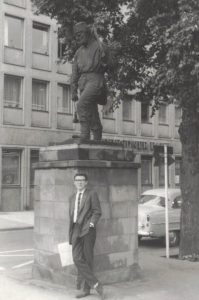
<point>97,135</point>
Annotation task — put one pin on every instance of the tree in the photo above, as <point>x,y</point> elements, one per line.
<point>157,54</point>
<point>174,62</point>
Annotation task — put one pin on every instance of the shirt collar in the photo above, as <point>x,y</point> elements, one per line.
<point>81,192</point>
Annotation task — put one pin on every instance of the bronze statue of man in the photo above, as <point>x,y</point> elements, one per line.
<point>91,61</point>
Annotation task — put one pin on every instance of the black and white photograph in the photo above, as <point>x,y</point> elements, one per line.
<point>99,149</point>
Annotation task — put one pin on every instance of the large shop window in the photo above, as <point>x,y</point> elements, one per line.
<point>127,112</point>
<point>13,34</point>
<point>39,95</point>
<point>40,41</point>
<point>146,170</point>
<point>34,157</point>
<point>63,99</point>
<point>11,167</point>
<point>161,175</point>
<point>163,114</point>
<point>12,91</point>
<point>145,112</point>
<point>178,163</point>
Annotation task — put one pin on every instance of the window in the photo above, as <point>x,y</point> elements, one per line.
<point>20,3</point>
<point>11,162</point>
<point>178,162</point>
<point>39,95</point>
<point>40,38</point>
<point>178,115</point>
<point>61,48</point>
<point>145,112</point>
<point>12,91</point>
<point>34,157</point>
<point>146,170</point>
<point>63,99</point>
<point>13,34</point>
<point>161,174</point>
<point>163,114</point>
<point>127,109</point>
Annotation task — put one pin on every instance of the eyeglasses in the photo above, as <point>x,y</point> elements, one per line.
<point>80,180</point>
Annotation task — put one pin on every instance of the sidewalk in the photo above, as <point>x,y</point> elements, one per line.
<point>16,220</point>
<point>161,278</point>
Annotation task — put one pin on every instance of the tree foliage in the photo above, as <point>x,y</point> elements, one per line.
<point>157,54</point>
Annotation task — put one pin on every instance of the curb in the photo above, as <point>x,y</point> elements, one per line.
<point>16,228</point>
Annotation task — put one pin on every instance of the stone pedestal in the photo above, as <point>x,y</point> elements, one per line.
<point>113,174</point>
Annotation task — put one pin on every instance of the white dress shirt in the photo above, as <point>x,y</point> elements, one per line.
<point>76,205</point>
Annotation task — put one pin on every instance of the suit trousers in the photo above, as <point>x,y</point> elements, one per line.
<point>82,250</point>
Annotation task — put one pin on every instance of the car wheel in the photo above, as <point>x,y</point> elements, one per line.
<point>174,238</point>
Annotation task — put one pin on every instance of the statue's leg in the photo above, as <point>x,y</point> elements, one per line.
<point>84,111</point>
<point>96,125</point>
<point>87,108</point>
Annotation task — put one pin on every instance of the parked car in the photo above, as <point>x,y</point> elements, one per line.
<point>151,214</point>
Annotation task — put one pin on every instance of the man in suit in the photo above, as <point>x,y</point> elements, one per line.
<point>84,213</point>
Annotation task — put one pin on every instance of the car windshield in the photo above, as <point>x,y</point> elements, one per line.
<point>152,200</point>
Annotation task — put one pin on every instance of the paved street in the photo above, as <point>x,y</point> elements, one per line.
<point>16,249</point>
<point>160,278</point>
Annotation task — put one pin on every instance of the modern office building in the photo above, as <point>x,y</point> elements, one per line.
<point>36,109</point>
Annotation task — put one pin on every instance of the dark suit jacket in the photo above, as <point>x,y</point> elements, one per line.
<point>90,211</point>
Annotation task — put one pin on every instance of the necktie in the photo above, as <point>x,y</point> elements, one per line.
<point>79,202</point>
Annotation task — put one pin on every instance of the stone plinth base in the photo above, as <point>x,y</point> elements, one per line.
<point>113,174</point>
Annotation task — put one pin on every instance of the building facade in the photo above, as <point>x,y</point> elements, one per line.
<point>36,109</point>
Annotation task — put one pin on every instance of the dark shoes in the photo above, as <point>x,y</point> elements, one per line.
<point>83,294</point>
<point>99,289</point>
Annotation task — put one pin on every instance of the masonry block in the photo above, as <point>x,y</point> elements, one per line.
<point>122,192</point>
<point>113,175</point>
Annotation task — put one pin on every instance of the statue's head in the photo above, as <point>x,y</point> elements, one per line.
<point>82,33</point>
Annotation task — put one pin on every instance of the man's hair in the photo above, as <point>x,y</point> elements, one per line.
<point>81,174</point>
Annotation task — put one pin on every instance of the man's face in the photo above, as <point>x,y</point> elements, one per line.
<point>80,183</point>
<point>81,37</point>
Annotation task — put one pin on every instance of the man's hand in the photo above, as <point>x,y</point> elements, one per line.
<point>91,225</point>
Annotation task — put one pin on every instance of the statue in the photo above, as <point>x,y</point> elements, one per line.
<point>91,61</point>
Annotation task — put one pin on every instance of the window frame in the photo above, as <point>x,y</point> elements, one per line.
<point>21,93</point>
<point>22,33</point>
<point>147,121</point>
<point>11,152</point>
<point>46,26</point>
<point>163,122</point>
<point>149,159</point>
<point>47,95</point>
<point>128,99</point>
<point>69,112</point>
<point>32,175</point>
